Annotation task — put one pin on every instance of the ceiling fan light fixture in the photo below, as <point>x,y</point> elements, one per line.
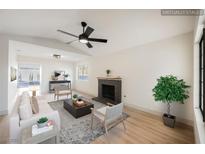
<point>84,37</point>
<point>84,41</point>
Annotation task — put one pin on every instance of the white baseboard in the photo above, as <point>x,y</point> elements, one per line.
<point>181,120</point>
<point>3,112</point>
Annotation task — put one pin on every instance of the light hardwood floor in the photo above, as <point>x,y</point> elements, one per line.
<point>146,128</point>
<point>4,129</point>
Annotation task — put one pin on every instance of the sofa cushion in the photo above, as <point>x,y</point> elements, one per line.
<point>25,111</point>
<point>34,105</point>
<point>25,94</point>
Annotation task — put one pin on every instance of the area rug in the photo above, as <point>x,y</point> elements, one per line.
<point>78,131</point>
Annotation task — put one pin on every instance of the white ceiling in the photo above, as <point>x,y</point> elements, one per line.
<point>122,28</point>
<point>36,51</point>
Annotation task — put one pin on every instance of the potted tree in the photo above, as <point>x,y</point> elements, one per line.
<point>168,90</point>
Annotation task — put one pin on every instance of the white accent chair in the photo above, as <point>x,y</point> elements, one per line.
<point>62,91</point>
<point>109,116</point>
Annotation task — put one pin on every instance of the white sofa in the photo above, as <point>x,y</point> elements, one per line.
<point>17,124</point>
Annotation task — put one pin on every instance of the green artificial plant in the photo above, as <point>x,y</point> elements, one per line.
<point>170,89</point>
<point>75,96</point>
<point>42,120</point>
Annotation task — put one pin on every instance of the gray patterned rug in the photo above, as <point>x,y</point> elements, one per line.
<point>78,131</point>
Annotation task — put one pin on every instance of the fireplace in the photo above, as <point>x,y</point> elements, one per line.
<point>109,90</point>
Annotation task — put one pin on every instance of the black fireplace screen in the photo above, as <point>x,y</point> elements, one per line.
<point>108,91</point>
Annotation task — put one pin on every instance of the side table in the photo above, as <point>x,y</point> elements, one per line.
<point>27,138</point>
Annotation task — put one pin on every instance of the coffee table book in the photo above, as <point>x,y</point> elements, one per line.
<point>36,130</point>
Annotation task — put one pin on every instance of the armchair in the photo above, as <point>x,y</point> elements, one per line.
<point>61,91</point>
<point>109,116</point>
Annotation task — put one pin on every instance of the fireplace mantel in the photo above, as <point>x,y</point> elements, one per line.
<point>109,78</point>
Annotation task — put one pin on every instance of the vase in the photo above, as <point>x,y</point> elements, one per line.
<point>41,125</point>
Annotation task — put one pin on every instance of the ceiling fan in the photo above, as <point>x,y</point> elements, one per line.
<point>84,37</point>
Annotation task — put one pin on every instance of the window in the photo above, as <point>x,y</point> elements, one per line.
<point>28,75</point>
<point>82,72</point>
<point>201,74</point>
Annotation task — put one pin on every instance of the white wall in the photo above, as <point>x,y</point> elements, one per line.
<point>139,68</point>
<point>3,75</point>
<point>47,69</point>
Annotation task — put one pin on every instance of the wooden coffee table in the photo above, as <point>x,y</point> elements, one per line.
<point>77,111</point>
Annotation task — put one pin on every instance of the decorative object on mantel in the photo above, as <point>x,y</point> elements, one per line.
<point>108,72</point>
<point>168,90</point>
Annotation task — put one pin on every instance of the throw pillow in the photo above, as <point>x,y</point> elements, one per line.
<point>34,105</point>
<point>25,111</point>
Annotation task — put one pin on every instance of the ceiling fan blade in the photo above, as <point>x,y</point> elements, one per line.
<point>71,41</point>
<point>88,31</point>
<point>89,45</point>
<point>97,40</point>
<point>67,33</point>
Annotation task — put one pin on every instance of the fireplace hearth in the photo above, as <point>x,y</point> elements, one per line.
<point>109,90</point>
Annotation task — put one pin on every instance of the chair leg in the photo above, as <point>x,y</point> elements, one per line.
<point>106,131</point>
